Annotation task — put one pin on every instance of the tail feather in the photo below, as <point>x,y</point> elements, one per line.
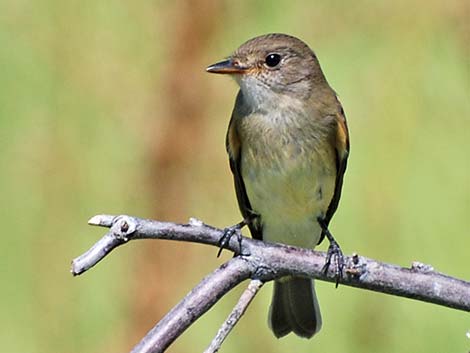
<point>294,308</point>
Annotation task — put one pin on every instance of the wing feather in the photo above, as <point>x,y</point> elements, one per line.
<point>342,153</point>
<point>233,145</point>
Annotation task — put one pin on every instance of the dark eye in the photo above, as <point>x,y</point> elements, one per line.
<point>273,60</point>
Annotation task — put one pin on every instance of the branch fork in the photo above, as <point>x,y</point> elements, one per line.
<point>261,262</point>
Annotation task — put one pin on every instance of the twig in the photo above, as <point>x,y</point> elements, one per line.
<point>115,237</point>
<point>264,262</point>
<point>237,312</point>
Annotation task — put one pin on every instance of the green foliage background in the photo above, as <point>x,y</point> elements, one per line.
<point>81,82</point>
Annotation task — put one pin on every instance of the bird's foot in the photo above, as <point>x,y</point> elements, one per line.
<point>229,232</point>
<point>334,252</point>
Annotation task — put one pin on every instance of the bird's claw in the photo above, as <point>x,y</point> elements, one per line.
<point>334,251</point>
<point>229,232</point>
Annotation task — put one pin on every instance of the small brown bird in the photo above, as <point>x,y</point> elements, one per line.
<point>288,145</point>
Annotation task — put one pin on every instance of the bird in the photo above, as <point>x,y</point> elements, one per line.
<point>288,146</point>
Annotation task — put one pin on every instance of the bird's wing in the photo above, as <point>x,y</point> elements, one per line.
<point>341,154</point>
<point>233,145</point>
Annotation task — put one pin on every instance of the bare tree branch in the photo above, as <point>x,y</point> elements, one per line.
<point>264,262</point>
<point>194,305</point>
<point>237,312</point>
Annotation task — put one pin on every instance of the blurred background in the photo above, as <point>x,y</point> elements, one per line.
<point>105,108</point>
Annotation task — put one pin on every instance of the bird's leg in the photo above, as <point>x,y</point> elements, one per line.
<point>236,229</point>
<point>333,251</point>
<point>228,234</point>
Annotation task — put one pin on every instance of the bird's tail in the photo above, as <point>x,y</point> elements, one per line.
<point>294,307</point>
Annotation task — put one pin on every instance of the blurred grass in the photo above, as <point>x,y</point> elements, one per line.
<point>80,88</point>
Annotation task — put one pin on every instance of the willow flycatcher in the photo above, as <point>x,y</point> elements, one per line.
<point>288,145</point>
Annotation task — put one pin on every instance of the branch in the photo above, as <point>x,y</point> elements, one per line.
<point>193,306</point>
<point>237,312</point>
<point>264,262</point>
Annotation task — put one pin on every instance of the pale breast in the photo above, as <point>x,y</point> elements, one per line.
<point>289,177</point>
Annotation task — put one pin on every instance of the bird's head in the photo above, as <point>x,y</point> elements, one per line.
<point>273,63</point>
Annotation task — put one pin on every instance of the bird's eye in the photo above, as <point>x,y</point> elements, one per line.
<point>272,60</point>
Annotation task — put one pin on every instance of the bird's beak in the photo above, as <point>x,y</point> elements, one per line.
<point>226,67</point>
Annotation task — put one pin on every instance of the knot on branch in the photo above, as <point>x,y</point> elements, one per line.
<point>123,227</point>
<point>420,267</point>
<point>356,266</point>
